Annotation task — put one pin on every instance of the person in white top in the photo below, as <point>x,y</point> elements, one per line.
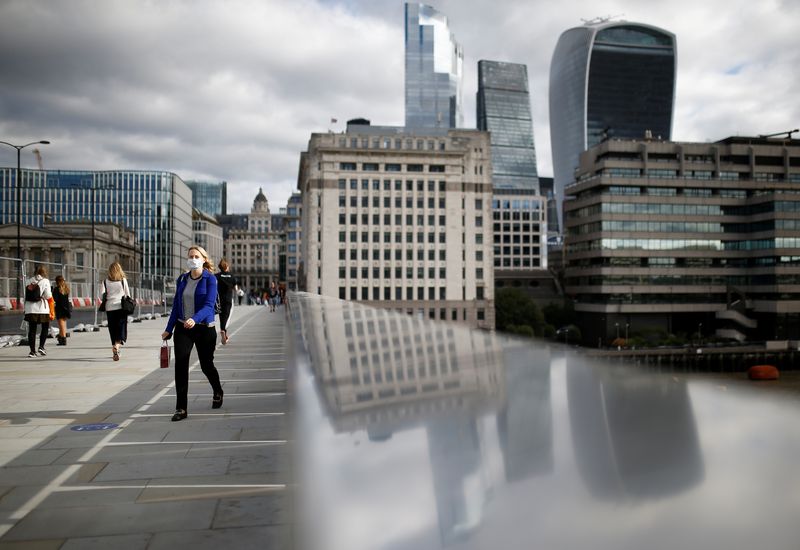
<point>37,310</point>
<point>116,286</point>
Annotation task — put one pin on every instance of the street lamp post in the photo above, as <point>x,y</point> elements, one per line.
<point>617,327</point>
<point>19,149</point>
<point>627,325</point>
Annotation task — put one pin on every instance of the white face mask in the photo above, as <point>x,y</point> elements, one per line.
<point>194,263</point>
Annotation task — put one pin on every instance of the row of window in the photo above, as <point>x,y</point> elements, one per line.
<point>398,254</point>
<point>683,244</point>
<point>399,185</point>
<point>391,143</point>
<point>385,293</point>
<point>686,280</point>
<point>683,262</point>
<point>420,272</point>
<point>391,167</point>
<point>683,209</point>
<point>421,237</point>
<point>684,227</point>
<point>399,219</point>
<point>660,173</point>
<point>387,202</point>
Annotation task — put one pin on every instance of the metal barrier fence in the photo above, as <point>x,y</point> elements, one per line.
<point>86,284</point>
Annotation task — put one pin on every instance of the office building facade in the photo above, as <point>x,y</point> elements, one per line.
<point>399,218</point>
<point>155,205</point>
<point>294,232</point>
<point>254,253</point>
<point>608,79</point>
<point>504,110</point>
<point>207,233</point>
<point>210,198</point>
<point>700,238</point>
<point>433,64</point>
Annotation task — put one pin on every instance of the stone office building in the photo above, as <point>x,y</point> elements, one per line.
<point>400,218</point>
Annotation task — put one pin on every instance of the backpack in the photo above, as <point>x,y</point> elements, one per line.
<point>32,292</point>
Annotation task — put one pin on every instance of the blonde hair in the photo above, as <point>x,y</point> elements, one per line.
<point>207,264</point>
<point>115,272</point>
<point>42,271</point>
<point>62,285</point>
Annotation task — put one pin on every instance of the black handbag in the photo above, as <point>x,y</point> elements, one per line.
<point>102,306</point>
<point>128,305</point>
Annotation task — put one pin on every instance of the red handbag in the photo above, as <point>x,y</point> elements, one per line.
<point>166,352</point>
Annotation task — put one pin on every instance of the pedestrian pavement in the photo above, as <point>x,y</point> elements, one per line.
<point>89,456</point>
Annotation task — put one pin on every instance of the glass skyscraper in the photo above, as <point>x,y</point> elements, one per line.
<point>434,62</point>
<point>154,204</point>
<point>210,198</point>
<point>608,79</point>
<point>504,109</point>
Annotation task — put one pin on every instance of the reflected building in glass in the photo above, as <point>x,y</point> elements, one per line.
<point>434,62</point>
<point>209,198</point>
<point>608,79</point>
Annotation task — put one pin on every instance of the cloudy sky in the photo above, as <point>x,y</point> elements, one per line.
<point>231,90</point>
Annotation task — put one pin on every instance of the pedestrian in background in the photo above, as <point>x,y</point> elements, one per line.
<point>37,310</point>
<point>116,286</point>
<point>63,308</point>
<point>240,295</point>
<point>272,296</point>
<point>192,320</point>
<point>226,286</point>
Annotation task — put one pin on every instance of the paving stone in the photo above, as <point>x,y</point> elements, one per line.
<point>277,537</point>
<point>120,542</point>
<point>270,509</point>
<point>155,468</point>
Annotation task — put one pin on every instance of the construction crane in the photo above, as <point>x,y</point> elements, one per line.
<point>38,156</point>
<point>788,134</point>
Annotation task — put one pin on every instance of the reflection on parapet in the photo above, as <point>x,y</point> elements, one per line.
<point>634,435</point>
<point>383,372</point>
<point>525,422</point>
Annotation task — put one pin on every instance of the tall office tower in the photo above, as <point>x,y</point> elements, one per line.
<point>399,218</point>
<point>210,198</point>
<point>504,110</point>
<point>434,63</point>
<point>608,79</point>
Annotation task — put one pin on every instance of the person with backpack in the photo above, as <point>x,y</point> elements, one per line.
<point>115,286</point>
<point>63,308</point>
<point>192,321</point>
<point>37,310</point>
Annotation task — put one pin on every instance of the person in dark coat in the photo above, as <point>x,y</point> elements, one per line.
<point>63,308</point>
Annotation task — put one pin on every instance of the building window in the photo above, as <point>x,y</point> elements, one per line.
<point>347,166</point>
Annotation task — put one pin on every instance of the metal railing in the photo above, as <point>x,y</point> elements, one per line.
<point>146,288</point>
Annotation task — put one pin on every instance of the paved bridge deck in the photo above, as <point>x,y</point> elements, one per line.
<point>219,479</point>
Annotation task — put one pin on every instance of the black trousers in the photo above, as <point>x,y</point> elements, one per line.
<point>224,313</point>
<point>205,339</point>
<point>32,334</point>
<point>117,325</point>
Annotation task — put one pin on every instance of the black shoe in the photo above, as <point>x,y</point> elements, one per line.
<point>180,414</point>
<point>42,352</point>
<point>216,401</point>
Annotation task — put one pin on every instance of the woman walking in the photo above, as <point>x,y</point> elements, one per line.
<point>63,308</point>
<point>37,310</point>
<point>192,320</point>
<point>116,286</point>
<point>272,296</point>
<point>226,286</point>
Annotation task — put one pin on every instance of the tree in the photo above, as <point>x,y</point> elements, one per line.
<point>515,309</point>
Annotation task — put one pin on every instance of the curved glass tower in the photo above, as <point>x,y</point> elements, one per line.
<point>434,62</point>
<point>608,79</point>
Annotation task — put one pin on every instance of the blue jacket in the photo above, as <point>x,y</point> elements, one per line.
<point>205,295</point>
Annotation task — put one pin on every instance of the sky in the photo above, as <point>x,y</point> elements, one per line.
<point>231,90</point>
